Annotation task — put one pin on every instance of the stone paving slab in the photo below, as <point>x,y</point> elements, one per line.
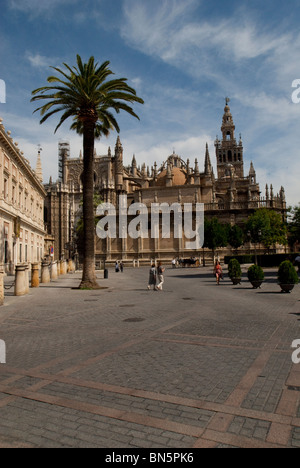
<point>196,365</point>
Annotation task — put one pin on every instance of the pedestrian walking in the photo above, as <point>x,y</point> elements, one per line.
<point>152,277</point>
<point>121,267</point>
<point>160,274</point>
<point>218,272</point>
<point>117,267</point>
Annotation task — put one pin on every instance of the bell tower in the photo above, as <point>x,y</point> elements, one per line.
<point>119,165</point>
<point>229,153</point>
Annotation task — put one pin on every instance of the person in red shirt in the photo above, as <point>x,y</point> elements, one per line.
<point>218,272</point>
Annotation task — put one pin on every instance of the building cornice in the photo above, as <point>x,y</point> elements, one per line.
<point>26,222</point>
<point>15,153</point>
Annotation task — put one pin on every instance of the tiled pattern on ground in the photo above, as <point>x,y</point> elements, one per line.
<point>178,369</point>
<point>42,425</point>
<point>148,407</point>
<point>251,428</point>
<point>194,366</point>
<point>266,392</point>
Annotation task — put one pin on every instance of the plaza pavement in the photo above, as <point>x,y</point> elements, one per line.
<point>196,365</point>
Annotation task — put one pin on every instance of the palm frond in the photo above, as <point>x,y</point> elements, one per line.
<point>84,92</point>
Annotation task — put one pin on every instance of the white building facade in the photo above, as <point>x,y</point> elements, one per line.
<point>21,206</point>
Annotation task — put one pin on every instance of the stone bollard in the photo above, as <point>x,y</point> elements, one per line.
<point>20,280</point>
<point>26,278</point>
<point>35,280</point>
<point>54,271</point>
<point>63,267</point>
<point>71,267</point>
<point>1,288</point>
<point>45,275</point>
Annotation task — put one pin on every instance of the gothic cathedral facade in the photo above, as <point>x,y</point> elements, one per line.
<point>230,195</point>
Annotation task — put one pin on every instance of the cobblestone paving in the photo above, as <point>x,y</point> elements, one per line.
<point>196,365</point>
<point>266,392</point>
<point>178,369</point>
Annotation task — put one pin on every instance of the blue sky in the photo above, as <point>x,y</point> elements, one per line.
<point>183,57</point>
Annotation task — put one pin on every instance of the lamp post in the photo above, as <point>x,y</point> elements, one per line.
<point>259,239</point>
<point>259,233</point>
<point>249,239</point>
<point>76,257</point>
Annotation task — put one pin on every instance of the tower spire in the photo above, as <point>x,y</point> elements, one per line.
<point>208,166</point>
<point>228,152</point>
<point>119,164</point>
<point>38,169</point>
<point>228,126</point>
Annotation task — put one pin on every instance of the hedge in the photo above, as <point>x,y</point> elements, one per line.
<point>272,260</point>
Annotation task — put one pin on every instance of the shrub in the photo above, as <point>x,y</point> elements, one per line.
<point>265,261</point>
<point>287,273</point>
<point>234,269</point>
<point>255,273</point>
<point>240,258</point>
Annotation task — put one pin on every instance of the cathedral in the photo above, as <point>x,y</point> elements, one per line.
<point>230,195</point>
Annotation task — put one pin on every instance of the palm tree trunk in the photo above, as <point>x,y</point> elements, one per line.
<point>89,275</point>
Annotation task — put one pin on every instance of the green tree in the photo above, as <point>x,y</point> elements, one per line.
<point>235,236</point>
<point>294,225</point>
<point>266,227</point>
<point>86,95</point>
<point>215,234</point>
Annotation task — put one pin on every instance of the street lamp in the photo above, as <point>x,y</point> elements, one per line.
<point>259,239</point>
<point>255,245</point>
<point>249,238</point>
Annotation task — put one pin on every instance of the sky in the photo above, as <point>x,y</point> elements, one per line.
<point>183,57</point>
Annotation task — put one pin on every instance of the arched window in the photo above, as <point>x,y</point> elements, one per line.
<point>228,136</point>
<point>229,154</point>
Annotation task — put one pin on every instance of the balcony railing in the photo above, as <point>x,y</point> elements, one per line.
<point>276,203</point>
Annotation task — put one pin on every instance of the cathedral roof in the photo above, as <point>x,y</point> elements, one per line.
<point>179,177</point>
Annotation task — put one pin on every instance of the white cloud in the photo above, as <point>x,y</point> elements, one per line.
<point>246,41</point>
<point>29,134</point>
<point>148,150</point>
<point>269,110</point>
<point>37,7</point>
<point>239,55</point>
<point>232,53</point>
<point>38,61</point>
<point>150,26</point>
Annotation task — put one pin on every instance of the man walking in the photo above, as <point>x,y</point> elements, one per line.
<point>160,274</point>
<point>152,277</point>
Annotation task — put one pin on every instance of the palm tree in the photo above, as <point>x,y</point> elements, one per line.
<point>84,94</point>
